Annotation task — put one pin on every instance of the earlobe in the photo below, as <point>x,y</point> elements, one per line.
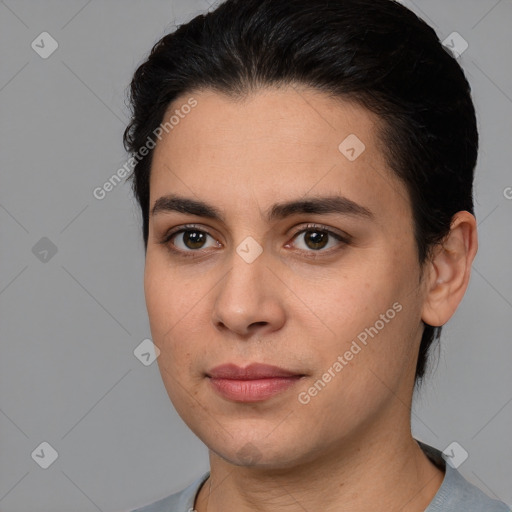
<point>450,269</point>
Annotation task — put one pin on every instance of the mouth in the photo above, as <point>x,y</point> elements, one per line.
<point>254,383</point>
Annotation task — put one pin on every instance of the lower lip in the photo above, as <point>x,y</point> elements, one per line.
<point>252,390</point>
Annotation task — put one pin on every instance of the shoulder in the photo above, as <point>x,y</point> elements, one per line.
<point>182,501</point>
<point>456,493</point>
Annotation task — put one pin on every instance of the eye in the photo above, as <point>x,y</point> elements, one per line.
<point>315,238</point>
<point>190,240</point>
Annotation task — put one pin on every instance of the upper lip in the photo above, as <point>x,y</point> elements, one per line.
<point>251,372</point>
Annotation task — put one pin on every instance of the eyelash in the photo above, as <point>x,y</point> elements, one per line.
<point>310,227</point>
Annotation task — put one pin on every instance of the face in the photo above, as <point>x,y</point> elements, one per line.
<point>326,291</point>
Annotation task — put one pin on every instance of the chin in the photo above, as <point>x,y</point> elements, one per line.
<point>258,453</point>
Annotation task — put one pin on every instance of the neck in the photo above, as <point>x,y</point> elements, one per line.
<point>386,471</point>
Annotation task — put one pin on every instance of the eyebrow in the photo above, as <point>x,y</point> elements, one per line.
<point>319,205</point>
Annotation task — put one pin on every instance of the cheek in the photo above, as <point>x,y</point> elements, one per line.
<point>362,370</point>
<point>168,300</point>
<point>354,300</point>
<point>173,306</point>
<point>365,311</point>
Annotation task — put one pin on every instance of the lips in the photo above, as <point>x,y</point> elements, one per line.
<point>252,372</point>
<point>254,383</point>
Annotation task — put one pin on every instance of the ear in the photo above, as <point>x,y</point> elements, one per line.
<point>450,269</point>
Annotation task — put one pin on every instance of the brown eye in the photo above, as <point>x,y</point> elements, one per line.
<point>316,239</point>
<point>188,241</point>
<point>193,239</point>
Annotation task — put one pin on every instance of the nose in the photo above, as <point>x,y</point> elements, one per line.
<point>249,300</point>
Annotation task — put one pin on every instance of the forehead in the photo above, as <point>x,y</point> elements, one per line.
<point>273,145</point>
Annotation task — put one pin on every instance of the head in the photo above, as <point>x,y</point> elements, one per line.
<point>251,116</point>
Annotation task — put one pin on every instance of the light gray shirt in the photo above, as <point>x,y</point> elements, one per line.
<point>456,494</point>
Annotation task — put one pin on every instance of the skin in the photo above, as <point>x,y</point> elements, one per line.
<point>350,447</point>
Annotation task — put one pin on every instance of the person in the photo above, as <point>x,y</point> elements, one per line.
<point>304,170</point>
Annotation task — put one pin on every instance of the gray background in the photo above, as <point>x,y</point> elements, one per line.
<point>69,325</point>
